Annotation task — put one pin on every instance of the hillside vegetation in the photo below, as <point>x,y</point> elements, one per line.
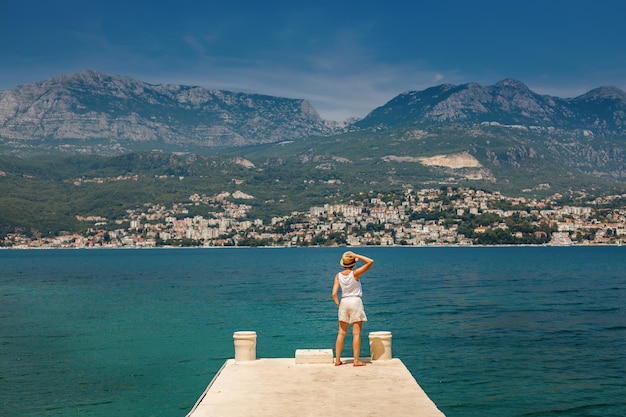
<point>45,194</point>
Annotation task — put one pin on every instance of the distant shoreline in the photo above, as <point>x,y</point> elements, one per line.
<point>310,247</point>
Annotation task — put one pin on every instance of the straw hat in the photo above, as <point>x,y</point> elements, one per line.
<point>347,261</point>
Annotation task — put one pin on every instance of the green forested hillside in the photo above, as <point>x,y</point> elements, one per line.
<point>47,193</point>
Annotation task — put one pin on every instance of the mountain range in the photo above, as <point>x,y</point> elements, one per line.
<point>601,111</point>
<point>92,112</point>
<point>93,144</point>
<point>505,135</point>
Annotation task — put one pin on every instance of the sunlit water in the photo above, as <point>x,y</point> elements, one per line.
<point>521,331</point>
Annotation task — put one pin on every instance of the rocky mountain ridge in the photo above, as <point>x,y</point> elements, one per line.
<point>111,109</point>
<point>94,113</point>
<point>508,102</point>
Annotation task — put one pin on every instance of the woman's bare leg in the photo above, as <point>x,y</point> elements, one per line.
<point>341,337</point>
<point>356,342</point>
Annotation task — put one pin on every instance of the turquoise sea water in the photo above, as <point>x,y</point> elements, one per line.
<point>520,331</point>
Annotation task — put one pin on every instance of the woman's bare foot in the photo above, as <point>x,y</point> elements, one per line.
<point>337,363</point>
<point>358,363</point>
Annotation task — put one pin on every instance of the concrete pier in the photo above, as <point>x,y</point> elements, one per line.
<point>311,385</point>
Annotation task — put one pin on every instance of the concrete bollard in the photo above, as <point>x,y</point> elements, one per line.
<point>245,346</point>
<point>380,346</point>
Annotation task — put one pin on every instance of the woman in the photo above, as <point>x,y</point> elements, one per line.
<point>351,309</point>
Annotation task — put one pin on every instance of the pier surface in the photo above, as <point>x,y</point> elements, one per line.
<point>282,387</point>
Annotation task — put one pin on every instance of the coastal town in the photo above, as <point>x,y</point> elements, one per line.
<point>426,217</point>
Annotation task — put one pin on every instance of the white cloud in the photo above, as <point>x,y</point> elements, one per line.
<point>338,88</point>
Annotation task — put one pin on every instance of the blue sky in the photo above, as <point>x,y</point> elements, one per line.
<point>345,57</point>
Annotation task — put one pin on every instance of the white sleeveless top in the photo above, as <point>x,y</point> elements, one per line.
<point>350,287</point>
